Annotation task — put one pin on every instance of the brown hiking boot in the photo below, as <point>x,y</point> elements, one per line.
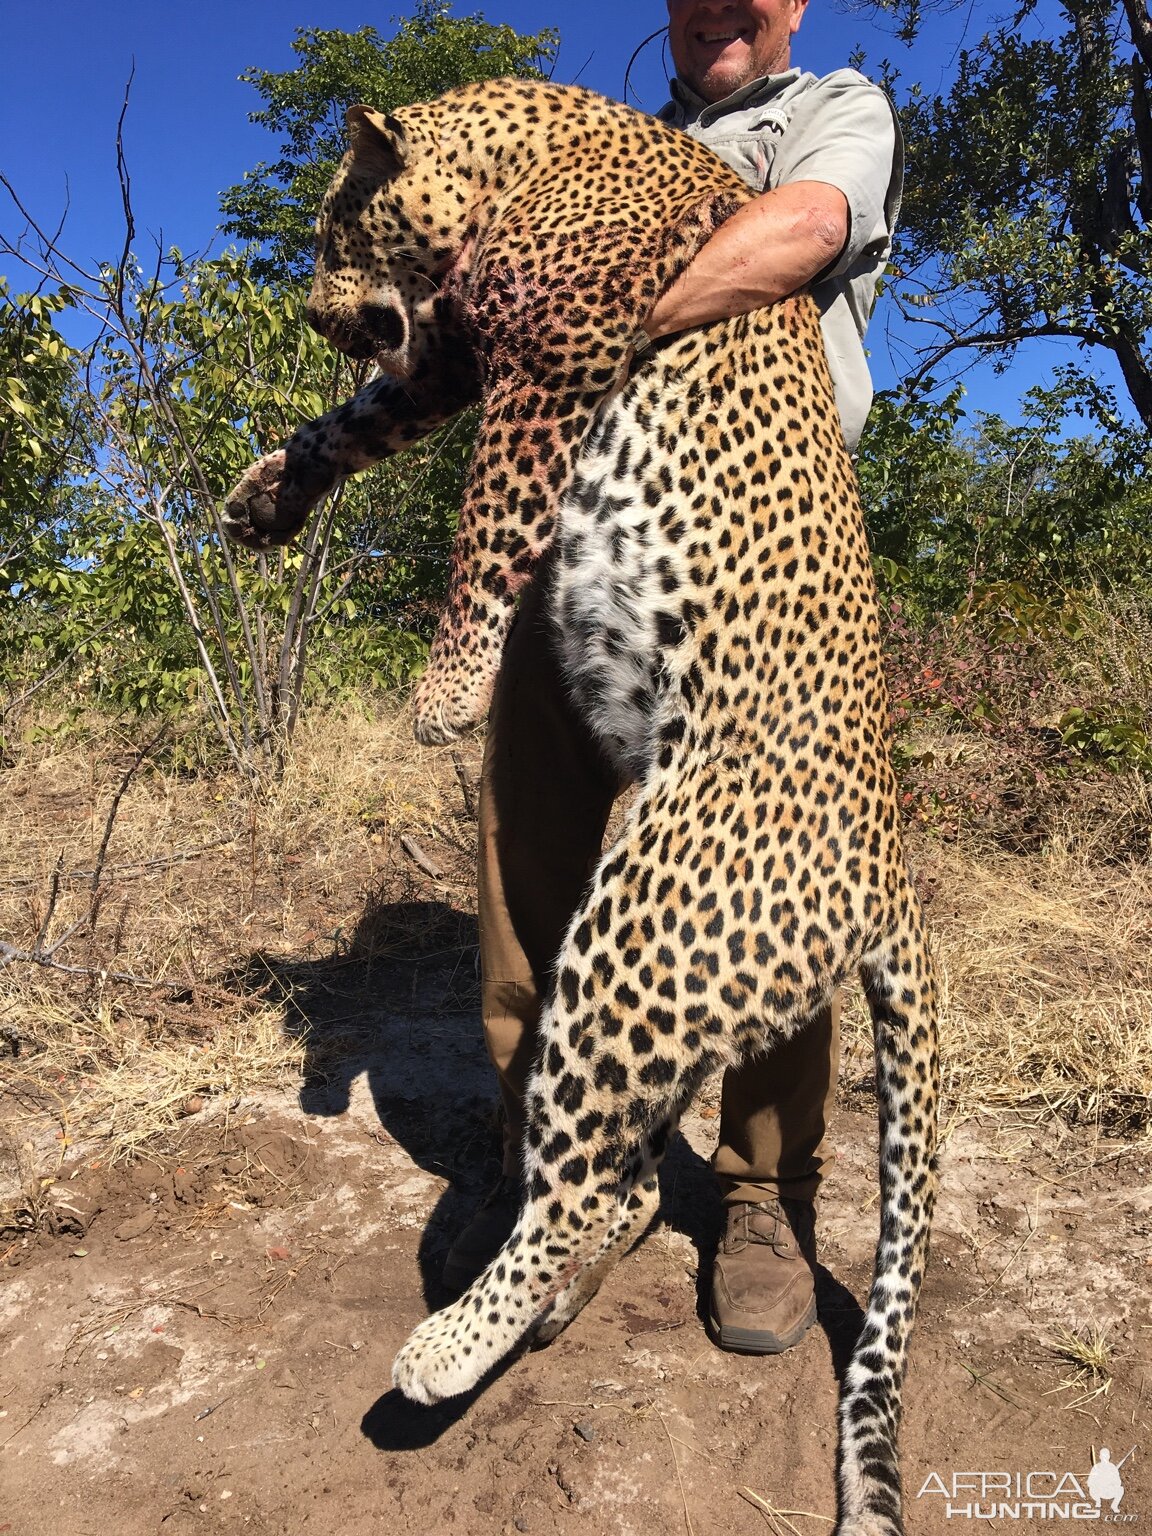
<point>763,1290</point>
<point>485,1235</point>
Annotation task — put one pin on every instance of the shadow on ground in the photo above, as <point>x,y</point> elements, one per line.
<point>398,1006</point>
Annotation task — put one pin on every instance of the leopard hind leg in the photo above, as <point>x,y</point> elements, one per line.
<point>637,1201</point>
<point>591,1195</point>
<point>901,992</point>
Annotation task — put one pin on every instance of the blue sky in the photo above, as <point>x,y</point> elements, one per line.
<point>63,75</point>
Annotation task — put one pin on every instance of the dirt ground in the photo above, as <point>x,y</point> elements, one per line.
<point>244,1179</point>
<point>204,1339</point>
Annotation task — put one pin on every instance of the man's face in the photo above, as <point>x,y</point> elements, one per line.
<point>720,45</point>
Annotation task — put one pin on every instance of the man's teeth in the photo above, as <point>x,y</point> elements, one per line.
<point>719,37</point>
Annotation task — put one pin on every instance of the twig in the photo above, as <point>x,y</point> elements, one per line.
<point>135,870</point>
<point>117,1316</point>
<point>46,954</point>
<point>279,1282</point>
<point>772,1514</point>
<point>53,896</point>
<point>1034,1227</point>
<point>9,953</point>
<point>679,1479</point>
<point>1019,1250</point>
<point>48,243</point>
<point>206,1413</point>
<point>414,851</point>
<point>110,820</point>
<point>993,1386</point>
<point>695,1449</point>
<point>467,788</point>
<point>35,1414</point>
<point>645,1333</point>
<point>125,186</point>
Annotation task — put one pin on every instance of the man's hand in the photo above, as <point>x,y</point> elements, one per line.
<point>767,250</point>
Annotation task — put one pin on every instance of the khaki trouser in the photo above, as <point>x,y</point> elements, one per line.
<point>545,798</point>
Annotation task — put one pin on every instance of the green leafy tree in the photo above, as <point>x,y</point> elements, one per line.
<point>117,570</point>
<point>197,378</point>
<point>1029,204</point>
<point>914,476</point>
<point>431,50</point>
<point>43,435</point>
<point>200,367</point>
<point>997,515</point>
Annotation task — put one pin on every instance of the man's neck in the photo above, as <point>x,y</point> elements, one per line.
<point>744,95</point>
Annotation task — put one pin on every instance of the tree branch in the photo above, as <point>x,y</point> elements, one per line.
<point>1140,23</point>
<point>125,188</point>
<point>997,339</point>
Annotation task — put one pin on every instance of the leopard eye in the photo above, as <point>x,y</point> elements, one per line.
<point>327,251</point>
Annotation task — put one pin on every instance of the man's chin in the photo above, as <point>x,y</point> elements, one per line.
<point>715,74</point>
<point>718,83</point>
<point>719,77</point>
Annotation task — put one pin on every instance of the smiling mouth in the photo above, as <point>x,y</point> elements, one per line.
<point>712,39</point>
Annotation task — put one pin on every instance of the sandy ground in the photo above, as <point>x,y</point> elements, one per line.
<point>204,1339</point>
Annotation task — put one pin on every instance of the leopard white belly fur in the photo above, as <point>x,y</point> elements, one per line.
<point>619,570</point>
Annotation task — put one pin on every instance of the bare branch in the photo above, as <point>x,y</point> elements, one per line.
<point>133,871</point>
<point>414,851</point>
<point>47,243</point>
<point>53,897</point>
<point>9,954</point>
<point>122,789</point>
<point>125,189</point>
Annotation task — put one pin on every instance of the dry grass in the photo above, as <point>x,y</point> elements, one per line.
<point>1046,976</point>
<point>206,885</point>
<point>1088,1354</point>
<point>214,891</point>
<point>1113,658</point>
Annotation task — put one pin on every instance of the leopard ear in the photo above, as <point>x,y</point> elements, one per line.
<point>378,138</point>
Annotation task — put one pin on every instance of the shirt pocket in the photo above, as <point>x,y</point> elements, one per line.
<point>750,147</point>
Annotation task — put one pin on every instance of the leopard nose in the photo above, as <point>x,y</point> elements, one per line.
<point>371,329</point>
<point>385,324</point>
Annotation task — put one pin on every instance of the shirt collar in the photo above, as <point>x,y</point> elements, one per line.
<point>695,109</point>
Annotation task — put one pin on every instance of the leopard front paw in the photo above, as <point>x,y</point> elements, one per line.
<point>450,699</point>
<point>271,502</point>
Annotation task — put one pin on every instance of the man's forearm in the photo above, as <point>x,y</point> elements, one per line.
<point>767,250</point>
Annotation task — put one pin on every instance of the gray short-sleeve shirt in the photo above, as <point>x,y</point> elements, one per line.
<point>840,129</point>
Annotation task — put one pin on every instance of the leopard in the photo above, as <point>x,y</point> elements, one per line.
<point>694,514</point>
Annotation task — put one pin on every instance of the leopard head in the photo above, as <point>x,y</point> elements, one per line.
<point>390,229</point>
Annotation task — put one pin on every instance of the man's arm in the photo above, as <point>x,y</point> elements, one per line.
<point>767,250</point>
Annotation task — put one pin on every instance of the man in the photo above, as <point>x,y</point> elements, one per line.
<point>826,156</point>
